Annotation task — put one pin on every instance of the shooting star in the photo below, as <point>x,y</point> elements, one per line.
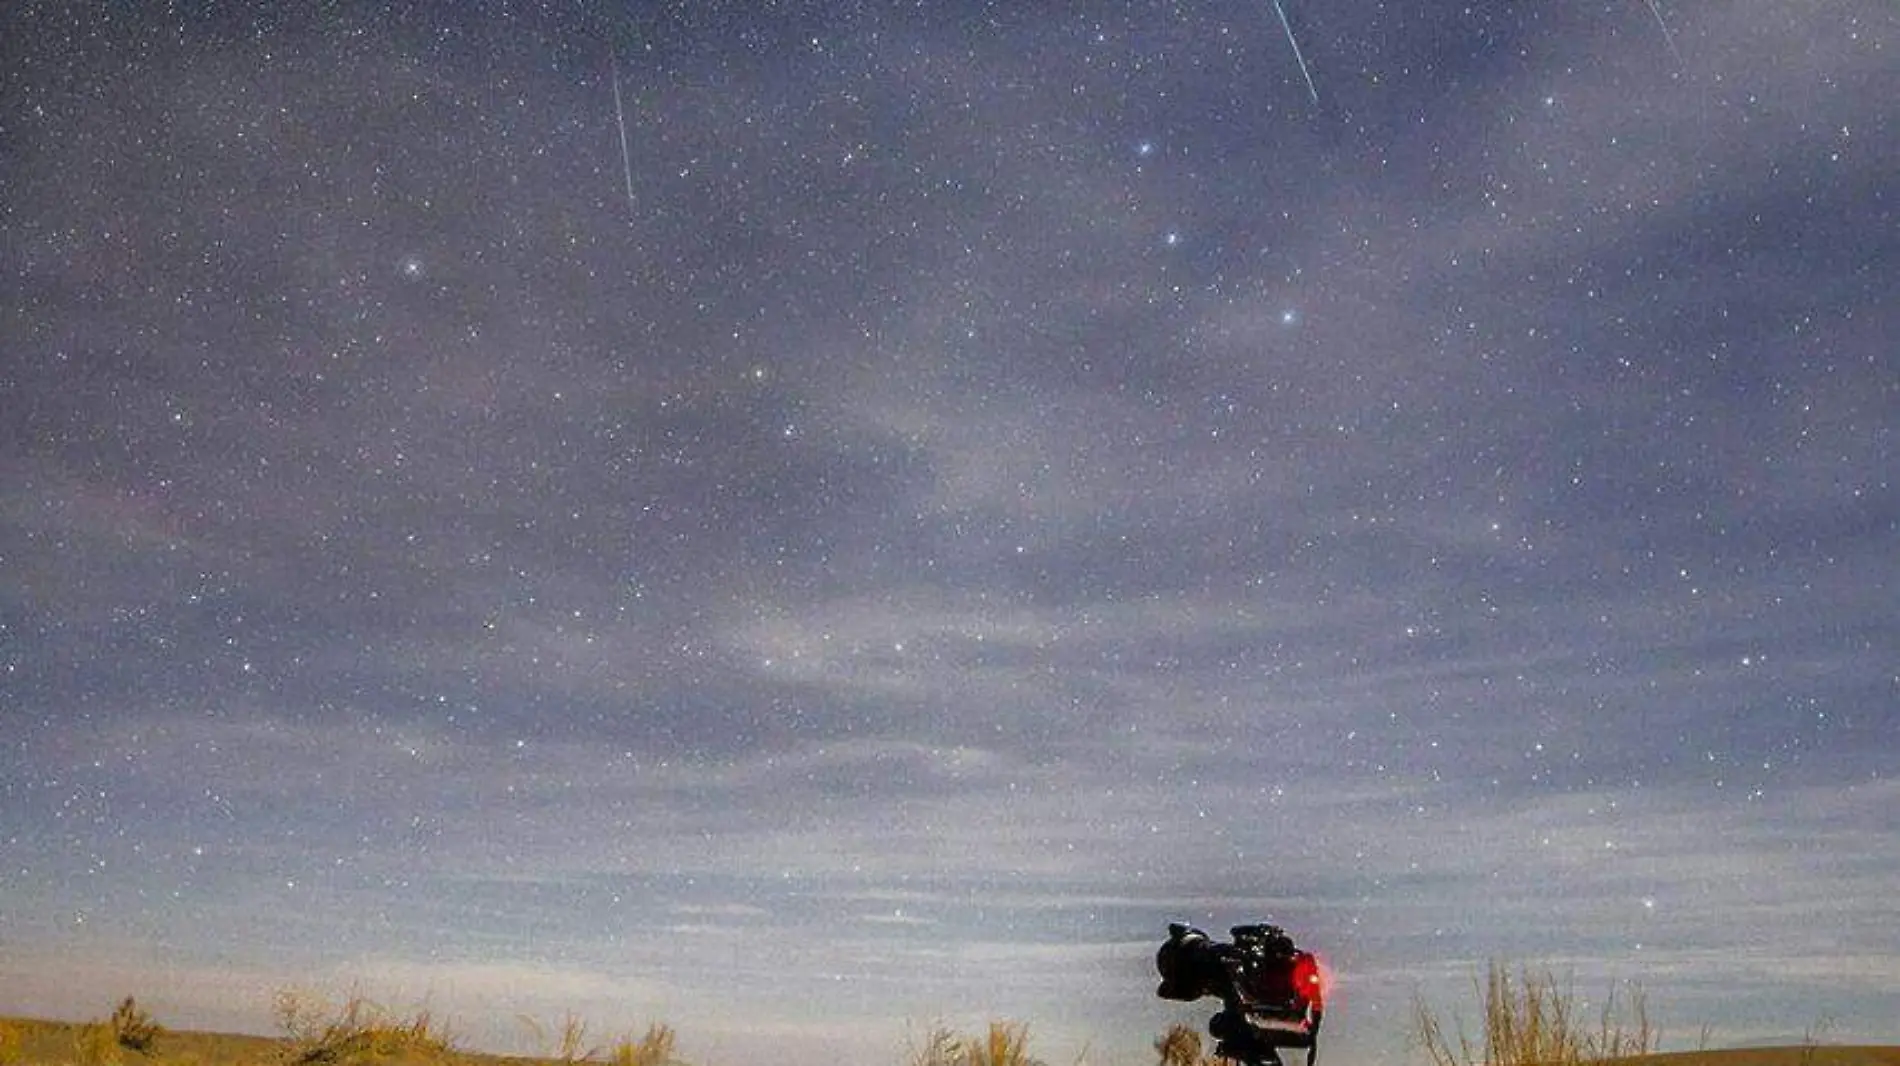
<point>620,119</point>
<point>1668,38</point>
<point>1300,59</point>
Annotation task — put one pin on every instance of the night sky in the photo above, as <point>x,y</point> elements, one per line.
<point>956,487</point>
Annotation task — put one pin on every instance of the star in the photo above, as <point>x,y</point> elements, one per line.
<point>545,557</point>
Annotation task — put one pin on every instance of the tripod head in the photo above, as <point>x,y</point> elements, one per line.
<point>1272,994</point>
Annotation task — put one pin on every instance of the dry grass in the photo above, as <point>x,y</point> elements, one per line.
<point>317,1032</point>
<point>12,1043</point>
<point>1530,1020</point>
<point>95,1044</point>
<point>1182,1045</point>
<point>571,1046</point>
<point>570,1039</point>
<point>1002,1044</point>
<point>1786,1055</point>
<point>653,1049</point>
<point>133,1028</point>
<point>1005,1044</point>
<point>939,1047</point>
<point>49,1043</point>
<point>357,1031</point>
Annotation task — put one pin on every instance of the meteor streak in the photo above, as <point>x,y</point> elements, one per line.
<point>620,119</point>
<point>1668,37</point>
<point>1301,60</point>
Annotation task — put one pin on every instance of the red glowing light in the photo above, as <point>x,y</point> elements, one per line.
<point>1313,980</point>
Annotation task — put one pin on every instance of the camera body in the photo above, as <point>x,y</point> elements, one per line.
<point>1271,992</point>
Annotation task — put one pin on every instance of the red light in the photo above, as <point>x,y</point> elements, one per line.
<point>1311,979</point>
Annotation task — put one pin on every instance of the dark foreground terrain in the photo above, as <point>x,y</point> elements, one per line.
<point>35,1042</point>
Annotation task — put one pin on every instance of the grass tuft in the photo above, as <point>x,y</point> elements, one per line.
<point>95,1044</point>
<point>356,1032</point>
<point>1812,1040</point>
<point>1006,1044</point>
<point>572,1047</point>
<point>569,1046</point>
<point>133,1027</point>
<point>939,1047</point>
<point>1531,1021</point>
<point>653,1049</point>
<point>1181,1045</point>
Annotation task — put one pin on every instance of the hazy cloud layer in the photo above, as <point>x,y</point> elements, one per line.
<point>1003,479</point>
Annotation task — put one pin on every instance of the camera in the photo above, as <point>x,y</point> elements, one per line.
<point>1272,993</point>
